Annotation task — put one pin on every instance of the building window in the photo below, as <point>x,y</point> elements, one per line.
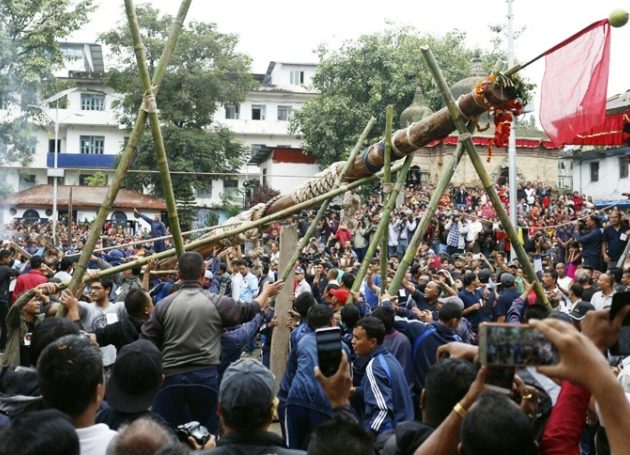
<point>72,52</point>
<point>92,145</point>
<point>594,172</point>
<point>51,146</point>
<point>92,102</point>
<point>284,113</point>
<point>204,191</point>
<point>624,163</point>
<point>60,181</point>
<point>230,187</point>
<point>26,181</point>
<point>296,77</point>
<point>258,111</point>
<point>232,111</point>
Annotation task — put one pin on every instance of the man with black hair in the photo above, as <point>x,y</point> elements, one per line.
<point>48,431</point>
<point>19,387</point>
<point>125,282</point>
<point>35,276</point>
<point>307,405</point>
<point>246,410</point>
<point>158,229</point>
<point>72,380</point>
<point>427,338</point>
<point>65,270</point>
<point>592,242</point>
<point>507,294</point>
<point>384,388</point>
<point>24,315</point>
<point>101,312</point>
<point>339,436</point>
<point>446,384</point>
<point>395,342</point>
<point>187,326</point>
<point>473,299</point>
<point>496,425</point>
<point>7,273</point>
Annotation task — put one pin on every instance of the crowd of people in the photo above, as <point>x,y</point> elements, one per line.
<point>140,360</point>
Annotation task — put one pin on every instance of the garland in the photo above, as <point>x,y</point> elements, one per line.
<point>519,90</point>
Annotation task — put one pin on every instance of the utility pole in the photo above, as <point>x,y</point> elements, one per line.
<point>512,141</point>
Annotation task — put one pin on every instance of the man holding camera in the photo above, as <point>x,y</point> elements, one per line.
<point>457,229</point>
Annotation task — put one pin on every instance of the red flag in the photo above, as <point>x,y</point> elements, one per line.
<point>573,94</point>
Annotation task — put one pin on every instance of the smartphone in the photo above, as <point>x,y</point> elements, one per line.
<point>514,345</point>
<point>622,346</point>
<point>500,379</point>
<point>328,349</point>
<point>476,256</point>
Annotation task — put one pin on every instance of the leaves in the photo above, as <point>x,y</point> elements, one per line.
<point>365,75</point>
<point>205,71</point>
<point>30,31</point>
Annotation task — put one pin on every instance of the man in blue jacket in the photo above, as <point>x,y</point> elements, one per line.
<point>307,404</point>
<point>427,338</point>
<point>158,229</point>
<point>384,387</point>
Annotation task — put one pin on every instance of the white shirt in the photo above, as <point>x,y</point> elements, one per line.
<point>302,286</point>
<point>95,439</point>
<point>474,228</point>
<point>601,301</point>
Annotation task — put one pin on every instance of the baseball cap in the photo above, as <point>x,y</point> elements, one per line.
<point>452,299</point>
<point>340,294</point>
<point>507,279</point>
<point>514,264</point>
<point>246,384</point>
<point>136,377</point>
<point>299,271</point>
<point>484,275</point>
<point>579,311</point>
<point>560,315</point>
<point>208,275</point>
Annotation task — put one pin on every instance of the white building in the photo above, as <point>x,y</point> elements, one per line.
<point>603,174</point>
<point>90,136</point>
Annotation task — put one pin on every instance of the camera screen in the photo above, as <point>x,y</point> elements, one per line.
<point>328,349</point>
<point>515,345</point>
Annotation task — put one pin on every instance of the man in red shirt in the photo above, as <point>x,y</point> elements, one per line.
<point>31,279</point>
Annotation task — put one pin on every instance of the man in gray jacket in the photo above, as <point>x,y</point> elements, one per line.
<point>187,326</point>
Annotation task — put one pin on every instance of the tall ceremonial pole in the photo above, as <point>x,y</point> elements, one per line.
<point>512,174</point>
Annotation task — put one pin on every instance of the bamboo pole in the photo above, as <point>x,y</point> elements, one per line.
<point>526,264</point>
<point>70,213</point>
<point>382,225</point>
<point>215,239</point>
<point>387,188</point>
<point>28,255</point>
<point>150,106</point>
<point>164,237</point>
<point>311,229</point>
<point>127,155</point>
<point>421,230</point>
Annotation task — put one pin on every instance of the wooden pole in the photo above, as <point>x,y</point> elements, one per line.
<point>217,238</point>
<point>477,163</point>
<point>288,267</point>
<point>381,229</point>
<point>149,105</point>
<point>127,155</point>
<point>281,333</point>
<point>387,189</point>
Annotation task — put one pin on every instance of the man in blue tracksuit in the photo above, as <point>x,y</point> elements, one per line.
<point>158,229</point>
<point>427,338</point>
<point>307,404</point>
<point>384,387</point>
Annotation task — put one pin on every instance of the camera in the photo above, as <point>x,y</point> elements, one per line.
<point>198,432</point>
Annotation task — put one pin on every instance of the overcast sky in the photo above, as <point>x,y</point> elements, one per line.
<point>282,30</point>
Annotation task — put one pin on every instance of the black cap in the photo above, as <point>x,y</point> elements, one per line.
<point>136,377</point>
<point>579,311</point>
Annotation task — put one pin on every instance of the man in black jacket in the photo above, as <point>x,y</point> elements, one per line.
<point>246,408</point>
<point>6,275</point>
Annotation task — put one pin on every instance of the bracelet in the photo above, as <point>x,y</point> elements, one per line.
<point>459,410</point>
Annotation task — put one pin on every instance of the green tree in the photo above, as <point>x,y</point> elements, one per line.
<point>30,31</point>
<point>205,71</point>
<point>363,76</point>
<point>97,179</point>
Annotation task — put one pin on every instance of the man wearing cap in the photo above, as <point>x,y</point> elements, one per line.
<point>579,312</point>
<point>187,327</point>
<point>301,283</point>
<point>209,282</point>
<point>507,294</point>
<point>246,409</point>
<point>135,379</point>
<point>338,298</point>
